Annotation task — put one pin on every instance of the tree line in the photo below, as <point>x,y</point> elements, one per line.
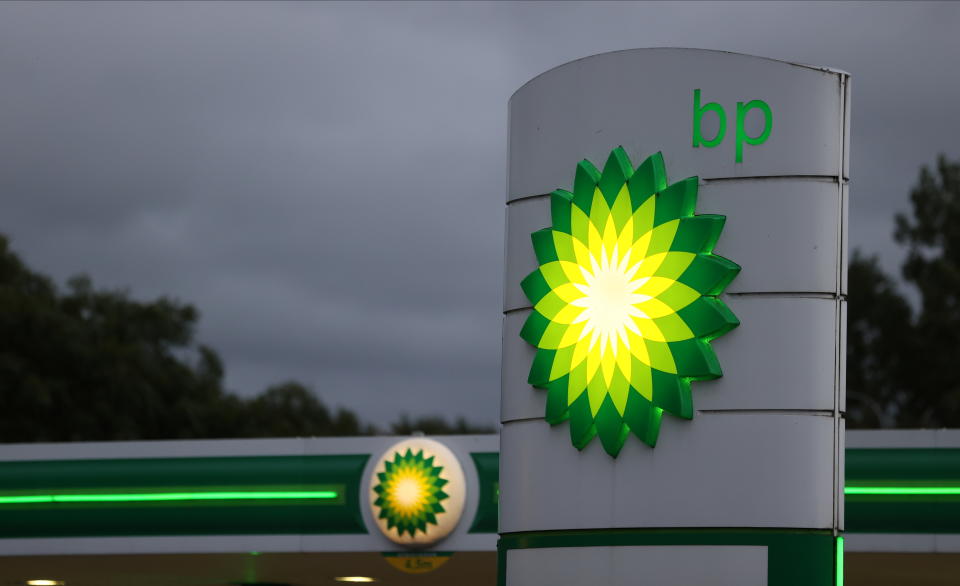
<point>85,364</point>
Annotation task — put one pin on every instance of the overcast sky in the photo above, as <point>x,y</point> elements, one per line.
<point>325,182</point>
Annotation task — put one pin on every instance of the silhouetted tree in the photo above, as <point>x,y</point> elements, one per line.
<point>434,425</point>
<point>290,409</point>
<point>932,238</point>
<point>879,344</point>
<point>88,365</point>
<point>902,365</point>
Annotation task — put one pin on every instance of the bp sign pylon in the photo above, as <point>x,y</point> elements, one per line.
<point>715,294</point>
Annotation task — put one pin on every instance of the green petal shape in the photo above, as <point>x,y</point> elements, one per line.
<point>626,301</point>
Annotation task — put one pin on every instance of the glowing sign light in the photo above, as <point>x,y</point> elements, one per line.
<point>902,490</point>
<point>625,301</point>
<point>169,496</point>
<point>839,562</point>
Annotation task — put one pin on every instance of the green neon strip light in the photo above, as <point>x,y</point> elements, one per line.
<point>839,561</point>
<point>169,496</point>
<point>903,490</point>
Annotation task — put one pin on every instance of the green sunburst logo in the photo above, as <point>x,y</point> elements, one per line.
<point>625,301</point>
<point>409,492</point>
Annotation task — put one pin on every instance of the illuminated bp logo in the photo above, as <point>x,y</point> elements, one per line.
<point>625,301</point>
<point>410,491</point>
<point>417,491</point>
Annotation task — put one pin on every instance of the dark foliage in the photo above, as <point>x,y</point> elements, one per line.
<point>432,425</point>
<point>89,365</point>
<point>901,364</point>
<point>878,326</point>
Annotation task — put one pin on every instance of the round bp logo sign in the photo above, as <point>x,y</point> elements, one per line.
<point>417,492</point>
<point>625,301</point>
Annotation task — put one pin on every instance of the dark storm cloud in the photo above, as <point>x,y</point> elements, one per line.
<point>325,181</point>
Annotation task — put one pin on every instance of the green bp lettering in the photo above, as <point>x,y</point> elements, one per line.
<point>741,136</point>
